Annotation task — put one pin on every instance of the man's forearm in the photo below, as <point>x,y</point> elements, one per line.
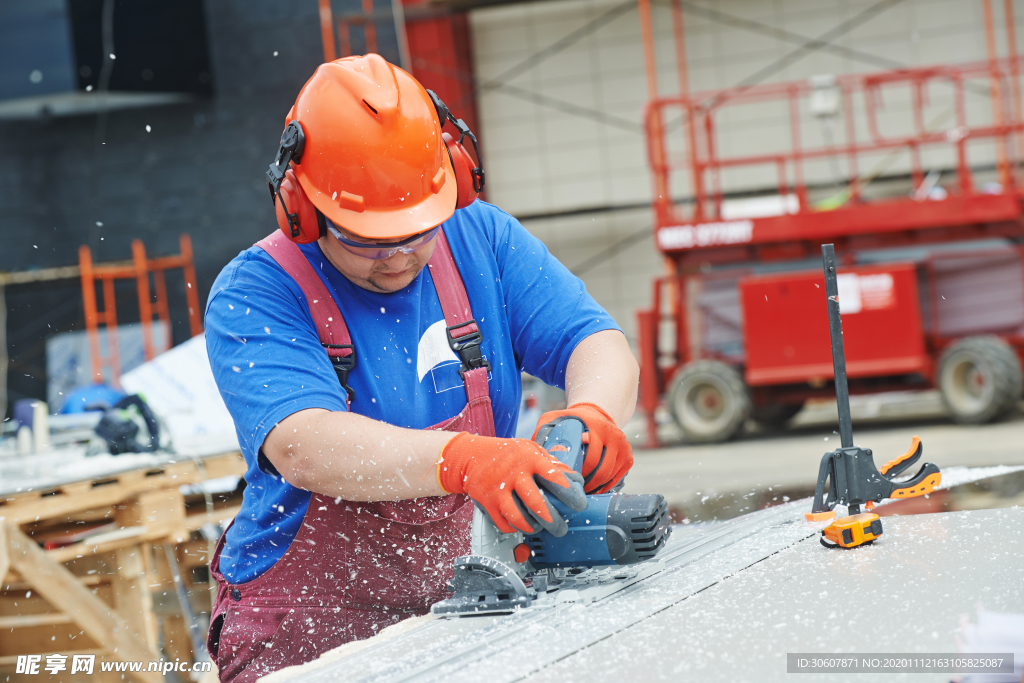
<point>603,371</point>
<point>344,454</point>
<point>355,457</point>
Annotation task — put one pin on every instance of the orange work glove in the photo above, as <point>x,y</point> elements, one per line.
<point>502,477</point>
<point>609,455</point>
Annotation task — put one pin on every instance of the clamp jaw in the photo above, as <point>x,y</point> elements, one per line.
<point>853,479</point>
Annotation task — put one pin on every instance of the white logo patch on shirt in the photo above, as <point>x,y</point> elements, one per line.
<point>434,352</point>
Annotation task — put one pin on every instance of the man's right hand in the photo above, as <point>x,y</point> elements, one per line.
<point>502,476</point>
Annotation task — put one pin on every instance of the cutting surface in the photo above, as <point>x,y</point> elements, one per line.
<point>730,600</point>
<point>905,593</point>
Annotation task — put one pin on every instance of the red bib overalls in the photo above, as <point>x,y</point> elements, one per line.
<point>353,567</point>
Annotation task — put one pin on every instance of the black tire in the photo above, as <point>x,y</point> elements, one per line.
<point>709,401</point>
<point>775,415</point>
<point>980,379</point>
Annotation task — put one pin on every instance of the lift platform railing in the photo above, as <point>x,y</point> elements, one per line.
<point>846,100</point>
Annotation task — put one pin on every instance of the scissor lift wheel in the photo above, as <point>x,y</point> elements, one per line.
<point>980,379</point>
<point>709,401</point>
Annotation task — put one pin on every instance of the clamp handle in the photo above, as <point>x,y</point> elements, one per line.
<point>923,483</point>
<point>896,465</point>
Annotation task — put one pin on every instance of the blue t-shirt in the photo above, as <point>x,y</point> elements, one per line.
<point>269,363</point>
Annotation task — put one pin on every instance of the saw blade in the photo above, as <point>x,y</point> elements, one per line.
<point>482,584</point>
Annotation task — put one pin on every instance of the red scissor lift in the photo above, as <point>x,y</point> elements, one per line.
<point>932,290</point>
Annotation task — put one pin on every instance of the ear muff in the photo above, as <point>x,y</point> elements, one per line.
<point>306,218</point>
<point>463,165</point>
<point>469,176</point>
<point>297,217</point>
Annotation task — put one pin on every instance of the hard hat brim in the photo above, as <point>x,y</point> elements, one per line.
<point>388,224</point>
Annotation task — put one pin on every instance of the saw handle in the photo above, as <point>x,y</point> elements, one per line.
<point>564,438</point>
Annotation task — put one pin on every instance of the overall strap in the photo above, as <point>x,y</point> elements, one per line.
<point>330,325</point>
<point>464,336</point>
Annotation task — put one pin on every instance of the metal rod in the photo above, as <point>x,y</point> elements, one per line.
<point>91,314</point>
<point>683,74</point>
<point>198,645</point>
<point>1011,47</point>
<point>40,275</point>
<point>369,28</point>
<point>344,39</point>
<point>195,314</point>
<point>3,356</point>
<point>835,328</point>
<point>145,301</point>
<point>995,89</point>
<point>662,195</point>
<point>110,320</point>
<point>327,31</point>
<point>398,13</point>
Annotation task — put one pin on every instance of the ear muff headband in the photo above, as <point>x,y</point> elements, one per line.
<point>443,115</point>
<point>293,142</point>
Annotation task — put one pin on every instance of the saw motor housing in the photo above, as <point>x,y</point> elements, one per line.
<point>615,528</point>
<point>506,572</point>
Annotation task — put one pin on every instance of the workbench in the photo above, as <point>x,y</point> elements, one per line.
<point>82,552</point>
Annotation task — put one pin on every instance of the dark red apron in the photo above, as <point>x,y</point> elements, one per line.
<point>353,567</point>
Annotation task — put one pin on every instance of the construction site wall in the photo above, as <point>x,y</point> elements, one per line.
<point>153,173</point>
<point>105,180</point>
<point>562,97</point>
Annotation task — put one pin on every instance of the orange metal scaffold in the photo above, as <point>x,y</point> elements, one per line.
<point>342,25</point>
<point>139,269</point>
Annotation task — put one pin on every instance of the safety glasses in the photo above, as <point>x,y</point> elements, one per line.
<point>379,251</point>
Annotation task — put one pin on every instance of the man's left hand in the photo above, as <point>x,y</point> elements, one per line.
<point>609,455</point>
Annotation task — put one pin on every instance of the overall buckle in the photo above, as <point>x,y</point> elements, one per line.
<point>342,366</point>
<point>467,347</point>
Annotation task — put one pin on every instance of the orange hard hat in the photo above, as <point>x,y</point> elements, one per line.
<point>374,161</point>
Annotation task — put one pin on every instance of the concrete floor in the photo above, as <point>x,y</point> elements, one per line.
<point>703,482</point>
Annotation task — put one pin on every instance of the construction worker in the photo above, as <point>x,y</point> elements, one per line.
<point>370,354</point>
